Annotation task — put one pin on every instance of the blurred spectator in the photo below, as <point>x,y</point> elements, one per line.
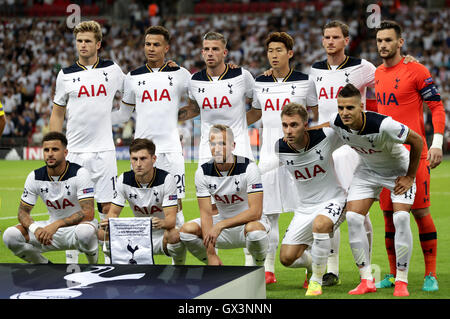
<point>9,130</point>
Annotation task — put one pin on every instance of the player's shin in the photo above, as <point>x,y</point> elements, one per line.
<point>257,243</point>
<point>319,253</point>
<point>359,244</point>
<point>14,240</point>
<point>369,233</point>
<point>178,252</point>
<point>333,258</point>
<point>274,237</point>
<point>195,246</point>
<point>403,244</point>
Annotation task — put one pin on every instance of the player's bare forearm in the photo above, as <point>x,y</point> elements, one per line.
<point>315,111</point>
<point>253,115</point>
<point>85,214</point>
<point>189,111</point>
<point>57,118</point>
<point>325,124</point>
<point>416,142</point>
<point>24,215</point>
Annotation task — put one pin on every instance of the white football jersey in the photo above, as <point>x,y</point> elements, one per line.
<point>149,200</point>
<point>313,168</point>
<point>156,96</point>
<point>270,95</point>
<point>60,194</point>
<point>223,101</point>
<point>378,143</point>
<point>329,80</point>
<point>229,190</point>
<point>88,94</point>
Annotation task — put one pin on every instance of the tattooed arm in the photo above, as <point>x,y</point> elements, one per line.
<point>24,215</point>
<point>189,111</point>
<point>45,234</point>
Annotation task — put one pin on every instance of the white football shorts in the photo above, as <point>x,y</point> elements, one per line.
<point>233,237</point>
<point>365,185</point>
<point>174,164</point>
<point>103,169</point>
<point>63,239</point>
<point>299,230</point>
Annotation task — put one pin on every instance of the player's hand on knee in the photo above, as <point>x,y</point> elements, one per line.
<point>43,236</point>
<point>402,184</point>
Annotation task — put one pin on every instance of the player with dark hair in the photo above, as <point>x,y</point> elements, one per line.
<point>151,192</point>
<point>68,193</point>
<point>330,76</point>
<point>378,140</point>
<point>271,94</point>
<point>156,91</point>
<point>401,89</point>
<point>219,94</point>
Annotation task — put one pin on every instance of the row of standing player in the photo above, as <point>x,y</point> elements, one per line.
<point>88,130</point>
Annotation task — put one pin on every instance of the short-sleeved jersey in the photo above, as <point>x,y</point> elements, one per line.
<point>330,80</point>
<point>229,190</point>
<point>88,94</point>
<point>312,167</point>
<point>270,95</point>
<point>378,143</point>
<point>400,92</point>
<point>223,101</point>
<point>150,200</point>
<point>156,95</point>
<point>61,195</point>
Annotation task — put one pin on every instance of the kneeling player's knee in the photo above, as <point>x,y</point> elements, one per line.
<point>254,226</point>
<point>322,224</point>
<point>86,236</point>
<point>173,236</point>
<point>191,228</point>
<point>286,259</point>
<point>13,238</point>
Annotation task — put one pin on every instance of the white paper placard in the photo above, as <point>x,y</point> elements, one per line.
<point>130,240</point>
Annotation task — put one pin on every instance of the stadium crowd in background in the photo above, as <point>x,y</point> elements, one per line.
<point>34,49</point>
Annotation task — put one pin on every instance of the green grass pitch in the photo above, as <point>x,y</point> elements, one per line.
<point>13,175</point>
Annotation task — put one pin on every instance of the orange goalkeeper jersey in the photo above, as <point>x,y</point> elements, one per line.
<point>400,92</point>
